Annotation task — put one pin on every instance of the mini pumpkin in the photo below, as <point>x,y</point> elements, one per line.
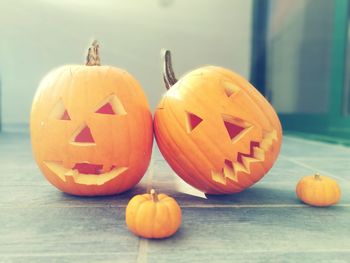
<point>318,190</point>
<point>85,128</point>
<point>153,215</point>
<point>215,129</point>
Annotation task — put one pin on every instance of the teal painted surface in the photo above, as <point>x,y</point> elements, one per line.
<point>340,28</point>
<point>333,123</point>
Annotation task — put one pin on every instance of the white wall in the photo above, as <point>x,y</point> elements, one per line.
<point>38,35</point>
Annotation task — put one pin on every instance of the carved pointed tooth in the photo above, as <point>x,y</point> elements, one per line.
<point>273,135</point>
<point>265,145</point>
<point>57,168</point>
<point>238,167</point>
<point>71,172</point>
<point>218,177</point>
<point>269,137</point>
<point>89,179</point>
<point>259,153</point>
<point>248,160</point>
<point>266,142</point>
<point>229,173</point>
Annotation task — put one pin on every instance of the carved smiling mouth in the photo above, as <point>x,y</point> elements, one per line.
<point>244,160</point>
<point>85,173</point>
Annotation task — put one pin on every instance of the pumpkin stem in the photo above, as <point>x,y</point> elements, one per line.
<point>168,72</point>
<point>93,56</point>
<point>154,195</point>
<point>317,176</point>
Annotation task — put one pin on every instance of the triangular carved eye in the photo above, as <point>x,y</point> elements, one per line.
<point>106,109</point>
<point>192,121</point>
<point>230,88</point>
<point>60,112</point>
<point>235,127</point>
<point>111,105</point>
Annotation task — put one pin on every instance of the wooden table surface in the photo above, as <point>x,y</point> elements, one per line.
<point>265,223</point>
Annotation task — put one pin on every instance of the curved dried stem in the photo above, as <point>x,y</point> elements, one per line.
<point>93,56</point>
<point>168,72</point>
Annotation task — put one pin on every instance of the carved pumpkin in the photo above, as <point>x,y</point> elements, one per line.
<point>91,128</point>
<point>318,190</point>
<point>216,130</point>
<point>153,215</point>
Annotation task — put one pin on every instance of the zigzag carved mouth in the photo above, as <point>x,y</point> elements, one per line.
<point>244,160</point>
<point>85,173</point>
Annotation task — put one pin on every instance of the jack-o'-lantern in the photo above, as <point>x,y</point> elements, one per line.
<point>91,128</point>
<point>216,131</point>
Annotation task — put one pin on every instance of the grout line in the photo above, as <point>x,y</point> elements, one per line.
<point>143,242</point>
<point>142,253</point>
<point>256,206</point>
<point>185,206</point>
<point>324,158</point>
<point>60,254</point>
<point>311,167</point>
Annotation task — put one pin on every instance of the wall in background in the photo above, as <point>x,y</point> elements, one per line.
<point>38,35</point>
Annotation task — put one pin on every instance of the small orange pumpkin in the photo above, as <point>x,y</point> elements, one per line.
<point>216,130</point>
<point>153,215</point>
<point>86,123</point>
<point>318,190</point>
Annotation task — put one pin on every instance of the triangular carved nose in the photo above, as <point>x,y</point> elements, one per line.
<point>83,136</point>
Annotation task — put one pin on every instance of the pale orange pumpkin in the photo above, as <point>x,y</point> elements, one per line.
<point>318,190</point>
<point>216,130</point>
<point>91,128</point>
<point>153,215</point>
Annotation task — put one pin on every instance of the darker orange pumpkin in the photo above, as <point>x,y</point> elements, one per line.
<point>216,130</point>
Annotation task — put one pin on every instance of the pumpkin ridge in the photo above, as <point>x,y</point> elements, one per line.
<point>170,217</point>
<point>138,204</point>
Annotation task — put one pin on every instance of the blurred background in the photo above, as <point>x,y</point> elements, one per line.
<point>294,52</point>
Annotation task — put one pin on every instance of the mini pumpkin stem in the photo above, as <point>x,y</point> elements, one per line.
<point>168,72</point>
<point>93,56</point>
<point>154,195</point>
<point>317,176</point>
